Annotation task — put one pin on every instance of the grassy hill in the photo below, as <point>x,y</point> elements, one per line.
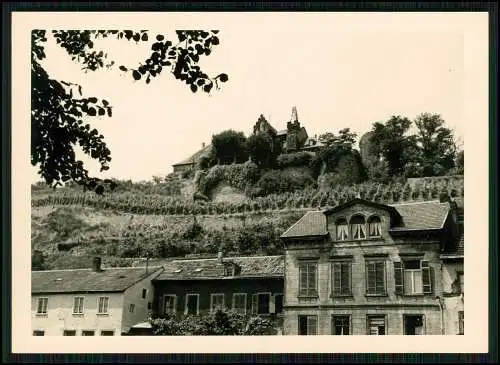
<point>160,220</point>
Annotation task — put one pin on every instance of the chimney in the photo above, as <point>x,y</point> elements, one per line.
<point>96,265</point>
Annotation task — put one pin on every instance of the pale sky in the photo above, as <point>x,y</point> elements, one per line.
<point>337,74</point>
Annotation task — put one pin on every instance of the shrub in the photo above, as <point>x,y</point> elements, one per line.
<point>276,181</point>
<point>219,323</point>
<point>239,176</point>
<point>296,159</point>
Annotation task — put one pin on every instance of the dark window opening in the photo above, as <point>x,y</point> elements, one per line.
<point>192,305</point>
<point>278,303</point>
<point>341,325</point>
<point>88,333</point>
<point>107,333</point>
<point>144,292</point>
<point>308,325</point>
<point>413,325</point>
<point>38,333</point>
<point>69,333</point>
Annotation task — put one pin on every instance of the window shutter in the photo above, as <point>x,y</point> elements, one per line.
<point>336,278</point>
<point>426,277</point>
<point>398,277</point>
<point>271,304</point>
<point>303,280</point>
<point>255,303</point>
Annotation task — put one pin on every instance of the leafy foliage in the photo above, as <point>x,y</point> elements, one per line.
<point>437,148</point>
<point>239,176</point>
<point>295,159</point>
<point>218,323</point>
<point>391,142</point>
<point>281,181</point>
<point>60,112</point>
<point>230,147</point>
<point>260,149</point>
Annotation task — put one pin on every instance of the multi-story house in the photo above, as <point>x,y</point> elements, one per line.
<point>367,268</point>
<point>90,302</point>
<point>248,285</point>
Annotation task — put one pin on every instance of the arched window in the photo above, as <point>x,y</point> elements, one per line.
<point>374,226</point>
<point>358,227</point>
<point>342,229</point>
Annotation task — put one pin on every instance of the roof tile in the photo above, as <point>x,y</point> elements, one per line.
<point>251,266</point>
<point>86,280</point>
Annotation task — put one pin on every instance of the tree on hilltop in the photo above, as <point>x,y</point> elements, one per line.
<point>229,147</point>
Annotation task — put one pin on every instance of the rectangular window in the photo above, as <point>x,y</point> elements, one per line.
<point>240,302</point>
<point>341,278</point>
<point>461,322</point>
<point>144,293</point>
<point>69,333</point>
<point>42,305</point>
<point>413,277</point>
<point>376,325</point>
<point>278,303</point>
<point>78,305</point>
<point>308,279</point>
<point>192,304</point>
<point>103,305</point>
<point>216,302</point>
<point>413,324</point>
<point>88,333</point>
<point>261,303</point>
<point>131,308</point>
<point>107,333</point>
<point>341,325</point>
<point>39,333</point>
<point>308,325</point>
<point>375,277</point>
<point>169,303</point>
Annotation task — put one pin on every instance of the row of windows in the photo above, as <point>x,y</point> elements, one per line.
<point>78,304</point>
<point>375,324</point>
<point>358,228</point>
<point>412,277</point>
<point>261,303</point>
<point>73,333</point>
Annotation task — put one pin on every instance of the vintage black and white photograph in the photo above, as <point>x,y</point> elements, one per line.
<point>301,177</point>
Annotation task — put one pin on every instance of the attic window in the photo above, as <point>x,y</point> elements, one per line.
<point>121,276</point>
<point>178,270</point>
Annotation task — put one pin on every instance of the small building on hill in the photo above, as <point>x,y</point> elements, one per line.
<point>248,285</point>
<point>364,268</point>
<point>190,162</point>
<point>91,302</point>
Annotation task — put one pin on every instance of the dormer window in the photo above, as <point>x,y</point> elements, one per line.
<point>358,227</point>
<point>374,226</point>
<point>342,229</point>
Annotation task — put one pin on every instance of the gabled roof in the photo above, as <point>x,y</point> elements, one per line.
<point>193,158</point>
<point>202,269</point>
<point>87,281</point>
<point>311,224</point>
<point>422,215</point>
<point>410,217</point>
